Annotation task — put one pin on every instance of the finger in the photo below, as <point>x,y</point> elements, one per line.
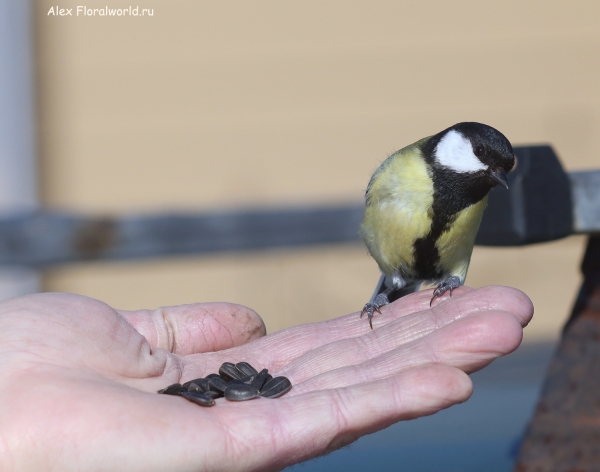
<point>409,318</point>
<point>196,328</point>
<point>468,344</point>
<point>495,297</point>
<point>417,325</point>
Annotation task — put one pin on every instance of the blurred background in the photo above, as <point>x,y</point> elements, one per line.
<point>209,105</point>
<point>221,105</point>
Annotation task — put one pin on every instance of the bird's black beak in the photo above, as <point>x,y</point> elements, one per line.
<point>500,177</point>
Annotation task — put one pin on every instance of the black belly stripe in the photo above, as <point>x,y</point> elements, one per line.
<point>452,193</point>
<point>425,252</point>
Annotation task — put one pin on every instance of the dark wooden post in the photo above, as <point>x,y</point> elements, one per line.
<point>564,434</point>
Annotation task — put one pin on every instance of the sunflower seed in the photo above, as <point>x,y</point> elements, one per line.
<point>199,398</point>
<point>212,394</point>
<point>276,387</point>
<point>229,371</point>
<point>260,379</point>
<point>197,385</point>
<point>174,389</point>
<point>246,368</point>
<point>237,382</point>
<point>217,384</point>
<point>240,392</point>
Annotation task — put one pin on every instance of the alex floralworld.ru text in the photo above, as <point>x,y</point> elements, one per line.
<point>105,11</point>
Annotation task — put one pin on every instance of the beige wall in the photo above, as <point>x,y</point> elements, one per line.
<point>220,104</point>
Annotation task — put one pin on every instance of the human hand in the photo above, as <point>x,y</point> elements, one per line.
<point>78,379</point>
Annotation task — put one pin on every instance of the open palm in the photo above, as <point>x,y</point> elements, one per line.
<point>78,379</point>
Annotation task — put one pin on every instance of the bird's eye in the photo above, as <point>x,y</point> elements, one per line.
<point>479,151</point>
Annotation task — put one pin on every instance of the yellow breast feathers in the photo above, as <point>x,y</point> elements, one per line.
<point>398,209</point>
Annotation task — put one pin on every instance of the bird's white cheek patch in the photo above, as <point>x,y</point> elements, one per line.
<point>455,152</point>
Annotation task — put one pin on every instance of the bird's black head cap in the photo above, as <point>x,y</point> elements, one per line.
<point>471,149</point>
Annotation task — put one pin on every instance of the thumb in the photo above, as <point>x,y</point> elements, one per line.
<point>197,328</point>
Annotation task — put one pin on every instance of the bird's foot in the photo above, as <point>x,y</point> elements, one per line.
<point>374,306</point>
<point>449,284</point>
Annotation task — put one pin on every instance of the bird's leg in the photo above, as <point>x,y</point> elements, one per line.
<point>450,283</point>
<point>380,300</point>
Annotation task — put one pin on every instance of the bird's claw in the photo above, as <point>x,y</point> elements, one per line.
<point>374,306</point>
<point>369,308</point>
<point>447,285</point>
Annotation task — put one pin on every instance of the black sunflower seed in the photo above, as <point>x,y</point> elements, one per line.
<point>276,387</point>
<point>194,387</point>
<point>199,398</point>
<point>213,394</point>
<point>237,382</point>
<point>197,385</point>
<point>217,384</point>
<point>246,368</point>
<point>240,392</point>
<point>174,389</point>
<point>260,379</point>
<point>248,379</point>
<point>229,371</point>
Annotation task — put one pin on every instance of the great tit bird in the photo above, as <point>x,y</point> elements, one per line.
<point>423,207</point>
